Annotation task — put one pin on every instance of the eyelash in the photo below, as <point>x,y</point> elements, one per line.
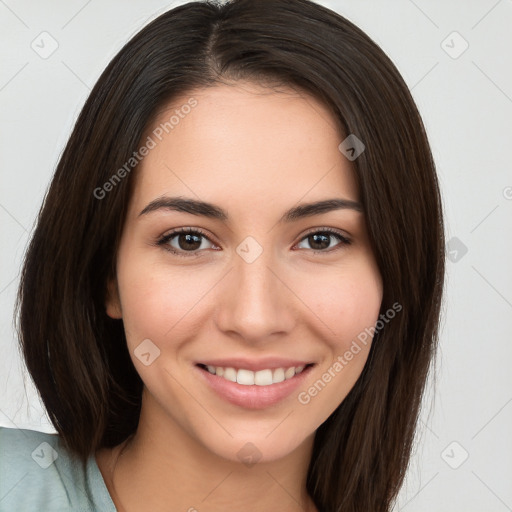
<point>163,241</point>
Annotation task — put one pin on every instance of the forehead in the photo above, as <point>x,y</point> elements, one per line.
<point>241,143</point>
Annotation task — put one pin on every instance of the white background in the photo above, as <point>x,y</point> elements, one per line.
<point>466,104</point>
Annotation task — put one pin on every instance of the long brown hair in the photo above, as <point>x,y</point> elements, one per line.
<point>77,356</point>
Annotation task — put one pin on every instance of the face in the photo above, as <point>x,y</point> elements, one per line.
<point>246,286</point>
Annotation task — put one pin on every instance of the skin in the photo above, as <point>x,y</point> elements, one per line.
<point>254,152</point>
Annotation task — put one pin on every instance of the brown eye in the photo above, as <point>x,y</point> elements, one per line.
<point>183,241</point>
<point>320,241</point>
<point>187,241</point>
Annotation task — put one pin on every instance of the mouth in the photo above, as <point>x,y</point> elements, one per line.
<point>253,389</point>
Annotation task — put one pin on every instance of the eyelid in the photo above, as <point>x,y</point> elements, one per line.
<point>166,237</point>
<point>162,241</point>
<point>344,236</point>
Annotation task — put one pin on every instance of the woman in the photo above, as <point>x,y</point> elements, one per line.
<point>232,296</point>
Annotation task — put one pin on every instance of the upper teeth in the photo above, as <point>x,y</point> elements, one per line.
<point>260,378</point>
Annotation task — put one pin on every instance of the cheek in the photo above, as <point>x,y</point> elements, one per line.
<point>158,302</point>
<point>347,302</point>
<point>349,307</point>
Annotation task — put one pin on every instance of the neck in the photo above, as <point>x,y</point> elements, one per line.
<point>167,469</point>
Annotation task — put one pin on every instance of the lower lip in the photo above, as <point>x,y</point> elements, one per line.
<point>253,397</point>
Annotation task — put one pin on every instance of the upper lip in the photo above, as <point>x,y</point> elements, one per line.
<point>255,365</point>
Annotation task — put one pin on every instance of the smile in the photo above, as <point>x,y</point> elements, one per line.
<point>253,389</point>
<point>246,377</point>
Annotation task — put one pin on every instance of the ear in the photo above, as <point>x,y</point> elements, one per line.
<point>112,302</point>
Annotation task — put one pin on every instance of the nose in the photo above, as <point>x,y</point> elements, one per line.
<point>254,301</point>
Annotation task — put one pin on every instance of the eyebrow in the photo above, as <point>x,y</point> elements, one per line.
<point>205,209</point>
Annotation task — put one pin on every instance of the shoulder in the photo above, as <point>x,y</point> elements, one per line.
<point>29,476</point>
<point>38,473</point>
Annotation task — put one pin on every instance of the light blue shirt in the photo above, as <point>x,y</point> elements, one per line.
<point>37,474</point>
